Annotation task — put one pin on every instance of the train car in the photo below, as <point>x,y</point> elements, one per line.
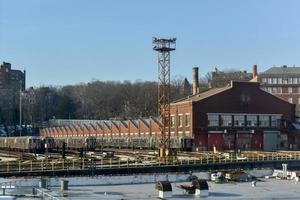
<point>58,143</point>
<point>119,142</point>
<point>3,143</point>
<point>28,144</point>
<point>145,143</point>
<point>104,142</point>
<point>88,143</point>
<point>186,143</point>
<point>48,142</point>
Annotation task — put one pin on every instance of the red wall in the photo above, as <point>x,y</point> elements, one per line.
<point>257,141</point>
<point>215,140</point>
<point>200,141</point>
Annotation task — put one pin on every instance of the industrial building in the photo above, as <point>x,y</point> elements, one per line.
<point>238,116</point>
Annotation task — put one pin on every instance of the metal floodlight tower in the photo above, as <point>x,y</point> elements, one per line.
<point>164,47</point>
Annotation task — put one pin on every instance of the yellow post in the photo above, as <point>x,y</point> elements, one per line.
<point>7,168</point>
<point>63,164</point>
<point>42,165</point>
<point>82,163</point>
<point>52,163</point>
<point>73,164</point>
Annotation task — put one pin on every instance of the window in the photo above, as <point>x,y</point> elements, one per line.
<point>275,120</point>
<point>274,90</point>
<point>295,80</point>
<point>226,120</point>
<point>239,120</point>
<point>213,120</point>
<point>290,80</point>
<point>279,90</point>
<point>251,120</point>
<point>269,89</point>
<point>264,80</point>
<point>285,81</point>
<point>290,99</point>
<point>263,120</point>
<point>270,80</point>
<point>298,89</point>
<point>187,120</point>
<point>290,90</point>
<point>298,100</point>
<point>179,120</point>
<point>274,80</point>
<point>279,80</point>
<point>172,121</point>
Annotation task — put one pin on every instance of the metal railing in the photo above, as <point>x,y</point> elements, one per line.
<point>195,159</point>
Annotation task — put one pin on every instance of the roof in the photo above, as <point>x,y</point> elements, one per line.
<point>204,95</point>
<point>282,70</point>
<point>146,121</point>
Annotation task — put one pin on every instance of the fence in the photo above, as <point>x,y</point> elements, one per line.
<point>193,159</point>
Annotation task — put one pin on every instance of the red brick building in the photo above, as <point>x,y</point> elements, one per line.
<point>238,116</point>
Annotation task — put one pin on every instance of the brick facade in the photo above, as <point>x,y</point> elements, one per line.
<point>11,81</point>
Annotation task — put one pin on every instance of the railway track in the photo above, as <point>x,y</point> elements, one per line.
<point>17,154</point>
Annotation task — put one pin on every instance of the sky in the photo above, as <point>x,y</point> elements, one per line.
<point>60,42</point>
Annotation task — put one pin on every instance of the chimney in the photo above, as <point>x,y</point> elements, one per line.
<point>195,75</point>
<point>254,71</point>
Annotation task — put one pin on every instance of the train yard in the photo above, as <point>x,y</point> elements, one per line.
<point>121,161</point>
<point>35,156</point>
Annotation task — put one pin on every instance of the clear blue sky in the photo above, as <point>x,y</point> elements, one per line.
<point>62,42</point>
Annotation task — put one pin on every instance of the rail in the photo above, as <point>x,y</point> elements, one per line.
<point>190,159</point>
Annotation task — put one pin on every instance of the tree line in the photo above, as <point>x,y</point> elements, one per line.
<point>104,99</point>
<point>97,100</point>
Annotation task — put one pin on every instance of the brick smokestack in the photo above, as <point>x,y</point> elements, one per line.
<point>254,71</point>
<point>195,86</point>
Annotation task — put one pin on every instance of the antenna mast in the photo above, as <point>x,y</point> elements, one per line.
<point>164,47</point>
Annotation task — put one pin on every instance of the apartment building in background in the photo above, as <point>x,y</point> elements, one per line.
<point>11,82</point>
<point>283,82</point>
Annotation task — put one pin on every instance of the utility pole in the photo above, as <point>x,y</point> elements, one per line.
<point>164,47</point>
<point>20,108</point>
